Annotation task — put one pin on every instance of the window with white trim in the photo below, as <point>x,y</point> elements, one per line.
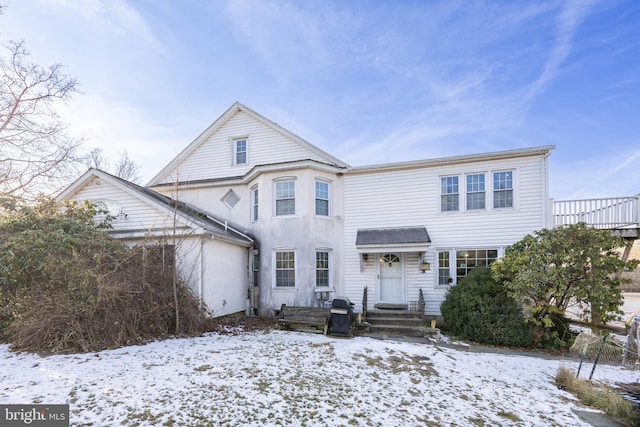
<point>475,191</point>
<point>240,151</point>
<point>449,194</point>
<point>285,269</point>
<point>256,268</point>
<point>285,198</point>
<point>322,198</point>
<point>444,268</point>
<point>254,203</point>
<point>503,189</point>
<point>465,261</point>
<point>322,268</point>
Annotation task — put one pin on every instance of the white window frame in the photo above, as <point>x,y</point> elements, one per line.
<point>316,198</point>
<point>234,150</point>
<point>254,196</point>
<point>495,191</point>
<point>474,190</point>
<point>489,191</point>
<point>453,264</point>
<point>328,269</point>
<point>448,194</point>
<point>276,183</point>
<point>276,269</point>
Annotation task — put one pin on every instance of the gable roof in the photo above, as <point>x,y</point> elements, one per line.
<point>224,118</point>
<point>218,227</point>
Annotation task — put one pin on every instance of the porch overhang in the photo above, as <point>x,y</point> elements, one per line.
<point>397,239</point>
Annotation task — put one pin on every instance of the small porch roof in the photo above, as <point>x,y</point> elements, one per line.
<point>398,239</point>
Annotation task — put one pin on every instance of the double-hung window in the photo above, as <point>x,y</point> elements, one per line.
<point>322,269</point>
<point>285,198</point>
<point>254,203</point>
<point>285,269</point>
<point>503,189</point>
<point>240,151</point>
<point>322,198</point>
<point>449,194</point>
<point>475,191</point>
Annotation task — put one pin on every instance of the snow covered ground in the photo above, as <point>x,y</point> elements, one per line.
<point>295,379</point>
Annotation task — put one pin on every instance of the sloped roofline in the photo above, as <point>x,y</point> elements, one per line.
<point>224,118</point>
<point>218,227</point>
<point>443,161</point>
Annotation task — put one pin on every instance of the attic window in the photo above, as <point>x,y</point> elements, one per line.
<point>231,199</point>
<point>240,150</point>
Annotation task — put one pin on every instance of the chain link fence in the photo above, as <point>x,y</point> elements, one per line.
<point>609,349</point>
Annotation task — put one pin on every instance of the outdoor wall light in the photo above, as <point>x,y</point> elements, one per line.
<point>424,266</point>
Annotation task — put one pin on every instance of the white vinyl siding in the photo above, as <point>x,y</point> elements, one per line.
<point>211,159</point>
<point>134,214</point>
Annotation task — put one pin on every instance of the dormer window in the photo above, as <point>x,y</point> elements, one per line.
<point>240,151</point>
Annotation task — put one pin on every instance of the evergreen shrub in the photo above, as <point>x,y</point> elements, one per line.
<point>479,309</point>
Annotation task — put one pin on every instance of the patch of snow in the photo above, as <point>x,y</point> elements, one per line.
<point>288,378</point>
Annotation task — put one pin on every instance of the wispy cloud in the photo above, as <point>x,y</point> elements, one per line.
<point>568,22</point>
<point>114,16</point>
<point>610,174</point>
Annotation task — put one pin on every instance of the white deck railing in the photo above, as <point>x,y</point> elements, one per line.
<point>608,213</point>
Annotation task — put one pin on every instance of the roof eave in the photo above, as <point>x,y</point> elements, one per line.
<point>444,161</point>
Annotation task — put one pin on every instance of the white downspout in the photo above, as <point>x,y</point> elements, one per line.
<point>201,280</point>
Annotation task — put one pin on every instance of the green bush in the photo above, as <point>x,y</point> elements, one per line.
<point>479,309</point>
<point>66,286</point>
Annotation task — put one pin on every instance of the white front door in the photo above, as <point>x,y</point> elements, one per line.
<point>391,278</point>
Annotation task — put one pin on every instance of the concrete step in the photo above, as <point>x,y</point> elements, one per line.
<point>411,331</point>
<point>400,321</point>
<point>394,314</point>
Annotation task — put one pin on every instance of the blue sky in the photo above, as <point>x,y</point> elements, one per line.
<point>368,81</point>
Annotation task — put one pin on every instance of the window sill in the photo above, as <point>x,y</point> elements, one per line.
<point>285,216</point>
<point>284,289</point>
<point>326,217</point>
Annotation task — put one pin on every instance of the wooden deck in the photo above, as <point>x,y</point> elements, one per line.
<point>620,214</point>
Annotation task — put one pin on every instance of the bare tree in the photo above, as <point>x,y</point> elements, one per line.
<point>36,153</point>
<point>126,168</point>
<point>95,159</point>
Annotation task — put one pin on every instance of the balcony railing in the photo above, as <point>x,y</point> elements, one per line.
<point>608,213</point>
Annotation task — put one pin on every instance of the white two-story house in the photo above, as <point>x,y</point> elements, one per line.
<point>272,219</point>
